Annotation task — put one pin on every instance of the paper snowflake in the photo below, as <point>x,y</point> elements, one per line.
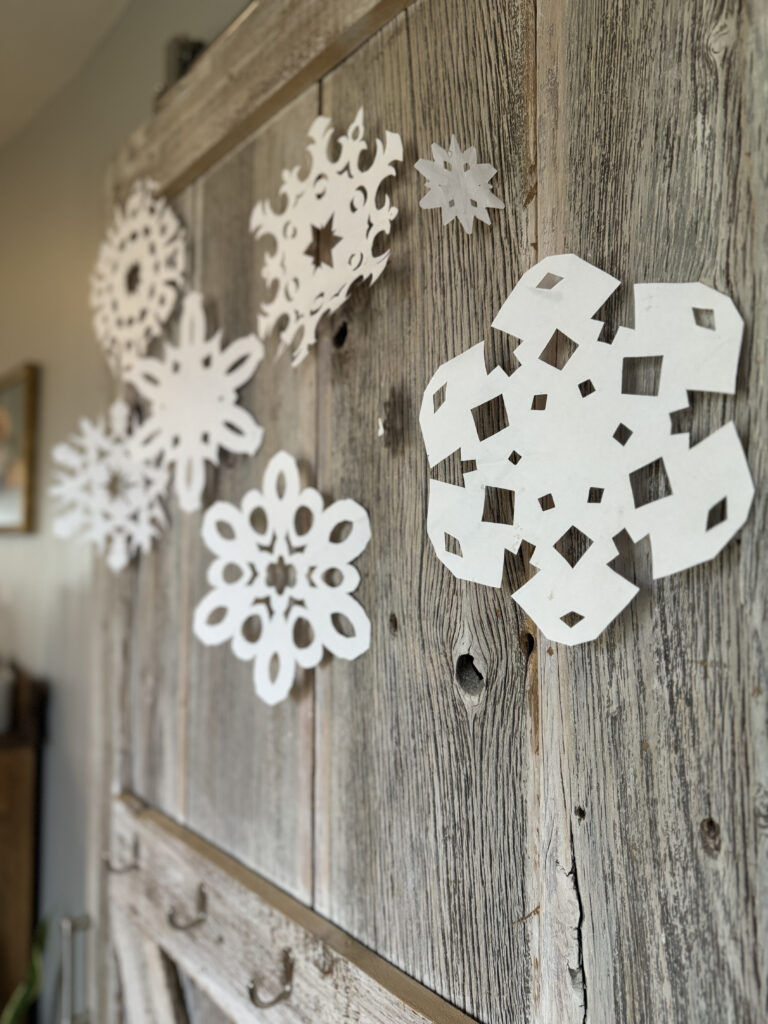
<point>576,444</point>
<point>324,237</point>
<point>282,580</point>
<point>458,185</point>
<point>105,495</point>
<point>192,392</point>
<point>138,276</point>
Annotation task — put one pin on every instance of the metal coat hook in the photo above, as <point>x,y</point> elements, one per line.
<point>202,913</point>
<point>264,1004</point>
<point>121,869</point>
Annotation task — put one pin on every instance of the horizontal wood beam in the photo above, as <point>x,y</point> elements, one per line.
<point>265,58</point>
<point>249,923</point>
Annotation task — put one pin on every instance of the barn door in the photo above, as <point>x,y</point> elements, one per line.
<point>468,819</point>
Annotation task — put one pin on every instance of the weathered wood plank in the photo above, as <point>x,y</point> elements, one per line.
<point>247,926</point>
<point>263,61</point>
<point>160,624</point>
<point>652,164</point>
<point>421,826</point>
<point>148,988</point>
<point>249,767</point>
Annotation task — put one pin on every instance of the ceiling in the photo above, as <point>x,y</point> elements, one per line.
<point>44,43</point>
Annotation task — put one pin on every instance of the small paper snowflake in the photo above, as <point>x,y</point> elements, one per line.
<point>106,495</point>
<point>138,276</point>
<point>324,237</point>
<point>282,582</point>
<point>458,185</point>
<point>576,445</point>
<point>192,392</point>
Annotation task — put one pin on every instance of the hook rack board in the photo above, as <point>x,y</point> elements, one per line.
<point>247,926</point>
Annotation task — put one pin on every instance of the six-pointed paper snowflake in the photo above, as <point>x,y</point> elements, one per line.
<point>282,582</point>
<point>458,185</point>
<point>192,391</point>
<point>104,494</point>
<point>324,237</point>
<point>576,444</point>
<point>138,276</point>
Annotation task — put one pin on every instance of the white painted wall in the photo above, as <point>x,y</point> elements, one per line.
<point>53,213</point>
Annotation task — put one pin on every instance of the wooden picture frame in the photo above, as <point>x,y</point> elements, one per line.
<point>18,425</point>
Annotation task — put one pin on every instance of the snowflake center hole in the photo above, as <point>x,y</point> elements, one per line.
<point>133,278</point>
<point>280,575</point>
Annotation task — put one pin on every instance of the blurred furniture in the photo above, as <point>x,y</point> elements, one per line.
<point>19,798</point>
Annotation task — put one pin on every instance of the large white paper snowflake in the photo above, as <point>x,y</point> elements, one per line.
<point>104,494</point>
<point>138,276</point>
<point>324,237</point>
<point>576,444</point>
<point>282,579</point>
<point>458,185</point>
<point>192,392</point>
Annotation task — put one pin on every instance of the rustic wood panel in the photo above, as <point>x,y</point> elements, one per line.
<point>652,164</point>
<point>249,767</point>
<point>156,670</point>
<point>266,58</point>
<point>247,926</point>
<point>421,822</point>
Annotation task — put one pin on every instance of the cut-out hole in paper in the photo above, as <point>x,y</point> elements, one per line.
<point>452,545</point>
<point>192,390</point>
<point>139,275</point>
<point>704,318</point>
<point>458,185</point>
<point>586,469</point>
<point>298,600</point>
<point>499,506</point>
<point>558,350</point>
<point>328,235</point>
<point>641,375</point>
<point>649,483</point>
<point>104,494</point>
<point>490,417</point>
<point>586,388</point>
<point>717,514</point>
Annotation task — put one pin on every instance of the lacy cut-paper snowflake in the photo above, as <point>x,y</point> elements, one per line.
<point>458,185</point>
<point>139,274</point>
<point>282,580</point>
<point>576,444</point>
<point>324,237</point>
<point>192,390</point>
<point>104,494</point>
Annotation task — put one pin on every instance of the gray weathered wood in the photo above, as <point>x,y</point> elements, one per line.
<point>270,55</point>
<point>247,926</point>
<point>248,766</point>
<point>652,164</point>
<point>421,808</point>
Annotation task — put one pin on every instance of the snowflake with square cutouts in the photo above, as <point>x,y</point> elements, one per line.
<point>282,579</point>
<point>458,185</point>
<point>192,391</point>
<point>576,444</point>
<point>325,236</point>
<point>104,494</point>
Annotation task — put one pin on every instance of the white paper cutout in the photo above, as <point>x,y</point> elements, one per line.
<point>274,572</point>
<point>194,406</point>
<point>138,276</point>
<point>106,495</point>
<point>324,237</point>
<point>574,462</point>
<point>458,185</point>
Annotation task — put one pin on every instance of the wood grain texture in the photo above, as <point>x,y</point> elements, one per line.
<point>270,55</point>
<point>248,766</point>
<point>421,823</point>
<point>652,165</point>
<point>18,859</point>
<point>248,925</point>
